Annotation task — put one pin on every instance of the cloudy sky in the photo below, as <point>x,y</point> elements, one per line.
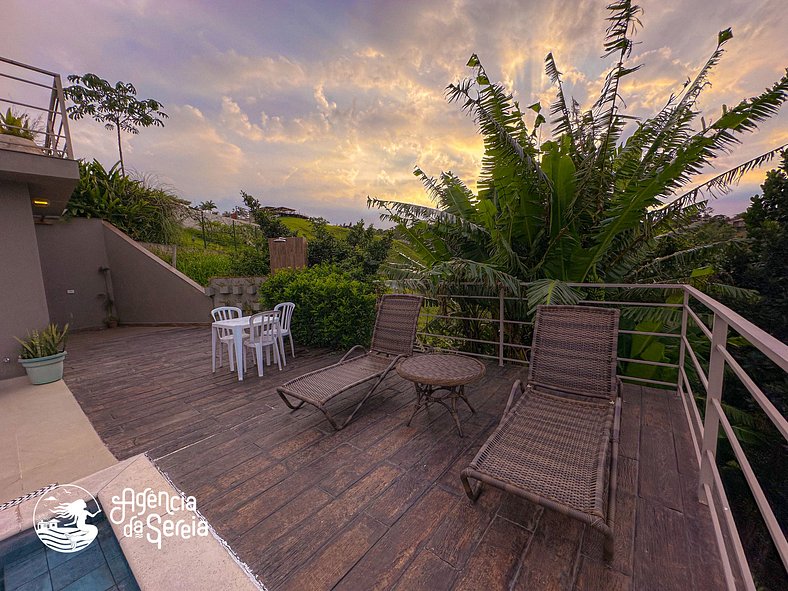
<point>317,104</point>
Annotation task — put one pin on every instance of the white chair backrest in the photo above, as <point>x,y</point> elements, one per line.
<point>225,313</point>
<point>264,327</point>
<point>285,310</point>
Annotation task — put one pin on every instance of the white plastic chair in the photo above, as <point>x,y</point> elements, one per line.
<point>264,334</point>
<point>224,335</point>
<point>285,316</point>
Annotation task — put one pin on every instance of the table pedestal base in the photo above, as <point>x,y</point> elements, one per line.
<point>426,395</point>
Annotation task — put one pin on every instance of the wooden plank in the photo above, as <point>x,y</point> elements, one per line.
<point>266,470</point>
<point>659,475</point>
<point>628,475</point>
<point>389,558</point>
<point>594,576</point>
<point>279,523</point>
<point>661,551</point>
<point>240,515</point>
<point>685,452</point>
<point>494,563</point>
<point>331,563</point>
<point>427,571</point>
<point>518,510</point>
<point>459,534</point>
<point>296,547</point>
<point>553,555</point>
<point>629,442</point>
<point>403,493</point>
<point>704,557</point>
<point>349,473</point>
<point>623,537</point>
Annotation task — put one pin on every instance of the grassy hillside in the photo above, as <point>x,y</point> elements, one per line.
<point>303,228</point>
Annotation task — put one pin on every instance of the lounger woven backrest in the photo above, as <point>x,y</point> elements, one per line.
<point>574,350</point>
<point>395,326</point>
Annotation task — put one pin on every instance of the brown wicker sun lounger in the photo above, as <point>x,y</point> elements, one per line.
<point>392,340</point>
<point>558,444</point>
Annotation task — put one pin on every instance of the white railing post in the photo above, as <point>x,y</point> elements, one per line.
<point>501,307</point>
<point>682,351</point>
<point>711,420</point>
<point>63,116</point>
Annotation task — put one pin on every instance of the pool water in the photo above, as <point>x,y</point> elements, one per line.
<point>27,565</point>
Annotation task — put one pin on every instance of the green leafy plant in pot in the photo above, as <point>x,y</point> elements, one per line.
<point>18,132</point>
<point>42,354</point>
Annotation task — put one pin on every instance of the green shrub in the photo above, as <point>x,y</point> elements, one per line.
<point>249,261</point>
<point>332,308</point>
<point>201,265</point>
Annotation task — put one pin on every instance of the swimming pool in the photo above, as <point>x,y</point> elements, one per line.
<point>27,565</point>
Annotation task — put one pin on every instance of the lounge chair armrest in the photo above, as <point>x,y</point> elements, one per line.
<point>346,355</point>
<point>517,386</point>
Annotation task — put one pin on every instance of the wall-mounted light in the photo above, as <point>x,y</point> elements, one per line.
<point>40,202</point>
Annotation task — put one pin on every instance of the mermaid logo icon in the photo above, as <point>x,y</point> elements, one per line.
<point>61,516</point>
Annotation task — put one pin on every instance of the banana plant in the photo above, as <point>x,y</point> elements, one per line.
<point>592,203</point>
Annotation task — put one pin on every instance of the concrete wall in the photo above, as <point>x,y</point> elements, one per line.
<point>72,252</point>
<point>23,304</point>
<point>149,291</point>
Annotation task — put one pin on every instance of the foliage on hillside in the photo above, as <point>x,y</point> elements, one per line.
<point>361,251</point>
<point>145,212</point>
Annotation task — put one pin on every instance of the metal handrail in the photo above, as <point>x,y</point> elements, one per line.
<point>703,431</point>
<point>55,109</point>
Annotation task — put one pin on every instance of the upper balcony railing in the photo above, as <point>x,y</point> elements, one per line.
<point>663,343</point>
<point>39,94</point>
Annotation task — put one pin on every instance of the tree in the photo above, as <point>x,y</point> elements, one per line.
<point>206,206</point>
<point>115,106</point>
<point>764,266</point>
<point>270,224</point>
<point>587,205</point>
<point>361,252</point>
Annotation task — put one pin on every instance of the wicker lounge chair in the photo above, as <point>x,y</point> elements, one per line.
<point>392,339</point>
<point>558,444</point>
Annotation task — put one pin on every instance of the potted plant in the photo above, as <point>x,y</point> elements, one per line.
<point>18,132</point>
<point>43,353</point>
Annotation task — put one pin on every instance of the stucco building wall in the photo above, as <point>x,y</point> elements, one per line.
<point>23,303</point>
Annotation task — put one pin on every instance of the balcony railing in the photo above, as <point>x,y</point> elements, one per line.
<point>498,326</point>
<point>35,91</point>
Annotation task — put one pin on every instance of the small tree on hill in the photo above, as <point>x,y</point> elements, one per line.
<point>270,224</point>
<point>116,106</point>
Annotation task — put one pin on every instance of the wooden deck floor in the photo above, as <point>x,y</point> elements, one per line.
<point>379,505</point>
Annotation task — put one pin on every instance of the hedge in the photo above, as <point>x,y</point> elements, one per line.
<point>332,308</point>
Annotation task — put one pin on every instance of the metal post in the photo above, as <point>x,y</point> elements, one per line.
<point>174,256</point>
<point>501,306</point>
<point>64,116</point>
<point>711,421</point>
<point>48,144</point>
<point>682,351</point>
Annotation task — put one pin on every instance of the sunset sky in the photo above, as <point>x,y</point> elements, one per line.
<point>315,105</point>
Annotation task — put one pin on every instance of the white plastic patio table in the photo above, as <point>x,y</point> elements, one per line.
<point>237,325</point>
